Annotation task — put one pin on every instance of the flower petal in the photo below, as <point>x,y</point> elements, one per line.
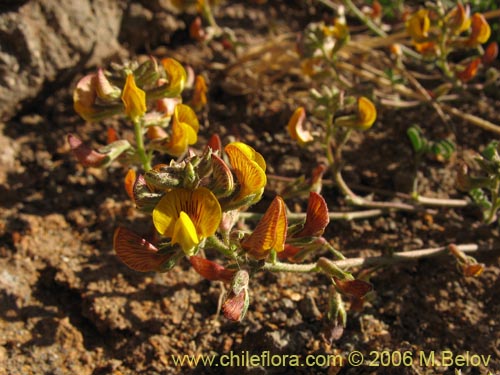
<point>355,288</point>
<point>200,205</point>
<point>185,128</point>
<point>317,217</point>
<point>211,270</point>
<point>136,252</point>
<point>296,127</point>
<point>85,155</point>
<point>84,96</point>
<point>185,233</point>
<point>176,75</point>
<point>480,30</point>
<point>133,98</point>
<point>418,25</point>
<point>270,232</point>
<point>129,182</point>
<point>367,113</point>
<point>249,167</point>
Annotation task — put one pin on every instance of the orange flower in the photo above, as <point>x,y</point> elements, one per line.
<point>134,99</point>
<point>270,233</point>
<point>185,128</point>
<point>296,127</point>
<point>249,167</point>
<point>137,253</point>
<point>187,216</point>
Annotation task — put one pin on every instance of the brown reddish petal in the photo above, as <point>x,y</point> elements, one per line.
<point>112,136</point>
<point>289,252</point>
<point>470,70</point>
<point>211,270</point>
<point>136,252</point>
<point>234,306</point>
<point>353,288</point>
<point>490,53</point>
<point>472,270</point>
<point>317,217</point>
<point>215,143</point>
<point>85,155</point>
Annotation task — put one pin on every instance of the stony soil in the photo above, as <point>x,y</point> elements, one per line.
<point>69,306</point>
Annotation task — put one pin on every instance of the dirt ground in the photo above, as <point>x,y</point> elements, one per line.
<point>69,306</point>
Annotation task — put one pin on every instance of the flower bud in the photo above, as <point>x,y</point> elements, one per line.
<point>366,116</point>
<point>418,25</point>
<point>134,99</point>
<point>236,304</point>
<point>470,70</point>
<point>105,90</point>
<point>296,127</point>
<point>222,184</point>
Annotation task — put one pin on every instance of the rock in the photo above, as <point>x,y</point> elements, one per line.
<point>45,43</point>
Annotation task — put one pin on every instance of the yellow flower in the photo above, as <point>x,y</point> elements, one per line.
<point>480,30</point>
<point>134,99</point>
<point>187,216</point>
<point>367,113</point>
<point>296,127</point>
<point>366,116</point>
<point>418,25</point>
<point>270,232</point>
<point>249,167</point>
<point>185,128</point>
<point>176,75</point>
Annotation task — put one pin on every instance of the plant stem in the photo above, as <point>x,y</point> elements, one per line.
<point>139,139</point>
<point>351,215</point>
<point>399,257</point>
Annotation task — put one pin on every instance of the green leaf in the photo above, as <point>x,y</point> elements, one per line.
<point>417,140</point>
<point>480,198</point>
<point>444,148</point>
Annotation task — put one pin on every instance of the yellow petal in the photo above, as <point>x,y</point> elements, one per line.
<point>185,233</point>
<point>270,232</point>
<point>176,75</point>
<point>249,167</point>
<point>296,127</point>
<point>200,205</point>
<point>134,99</point>
<point>367,113</point>
<point>185,128</point>
<point>418,25</point>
